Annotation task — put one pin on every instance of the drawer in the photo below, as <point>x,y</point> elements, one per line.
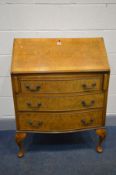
<point>59,102</point>
<point>61,85</point>
<point>59,122</point>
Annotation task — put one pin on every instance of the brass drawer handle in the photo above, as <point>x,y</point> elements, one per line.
<point>85,123</point>
<point>84,104</point>
<point>89,87</point>
<point>37,106</point>
<point>37,88</point>
<point>35,125</point>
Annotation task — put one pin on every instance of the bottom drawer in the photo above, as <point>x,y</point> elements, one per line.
<point>59,122</point>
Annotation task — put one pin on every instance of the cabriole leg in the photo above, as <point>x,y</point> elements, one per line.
<point>102,134</point>
<point>19,140</point>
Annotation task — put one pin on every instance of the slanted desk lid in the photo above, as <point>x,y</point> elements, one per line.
<point>40,55</point>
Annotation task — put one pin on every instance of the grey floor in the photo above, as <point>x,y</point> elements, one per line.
<point>67,154</point>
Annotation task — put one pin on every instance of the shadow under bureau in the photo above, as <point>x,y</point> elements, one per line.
<point>59,86</point>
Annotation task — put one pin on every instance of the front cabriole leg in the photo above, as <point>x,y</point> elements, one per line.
<point>20,136</point>
<point>102,134</point>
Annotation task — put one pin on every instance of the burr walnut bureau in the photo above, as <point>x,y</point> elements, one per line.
<point>59,86</point>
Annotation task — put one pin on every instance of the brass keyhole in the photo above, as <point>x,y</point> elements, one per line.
<point>59,43</point>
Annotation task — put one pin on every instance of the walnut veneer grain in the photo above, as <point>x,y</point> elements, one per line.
<point>59,55</point>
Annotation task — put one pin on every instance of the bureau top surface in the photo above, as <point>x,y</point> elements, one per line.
<point>40,55</point>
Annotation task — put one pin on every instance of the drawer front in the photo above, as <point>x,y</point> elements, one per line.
<point>61,85</point>
<point>59,102</point>
<point>59,122</point>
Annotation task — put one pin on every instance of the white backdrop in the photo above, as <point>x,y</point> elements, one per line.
<point>54,18</point>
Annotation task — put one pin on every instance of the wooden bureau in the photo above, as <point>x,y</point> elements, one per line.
<point>59,86</point>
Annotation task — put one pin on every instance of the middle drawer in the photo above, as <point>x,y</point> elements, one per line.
<point>59,102</point>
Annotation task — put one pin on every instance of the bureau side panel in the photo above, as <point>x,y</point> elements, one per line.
<point>105,88</point>
<point>15,90</point>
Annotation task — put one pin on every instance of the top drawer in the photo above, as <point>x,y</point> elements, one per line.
<point>55,84</point>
